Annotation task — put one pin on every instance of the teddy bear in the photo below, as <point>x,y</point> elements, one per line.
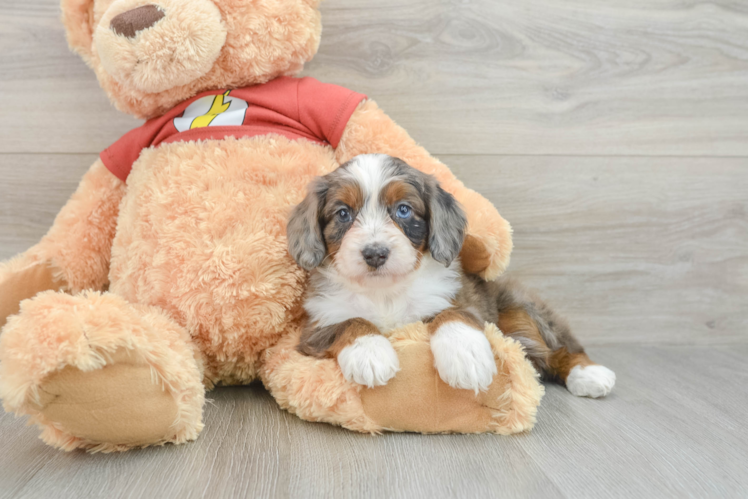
<point>167,272</point>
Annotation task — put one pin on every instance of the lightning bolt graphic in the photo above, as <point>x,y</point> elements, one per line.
<point>218,107</point>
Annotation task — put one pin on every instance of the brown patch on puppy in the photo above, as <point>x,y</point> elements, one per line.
<point>354,328</point>
<point>395,192</point>
<point>517,324</point>
<point>348,194</point>
<point>562,361</point>
<point>517,321</point>
<point>328,341</point>
<point>474,257</point>
<point>333,244</point>
<point>415,227</point>
<point>453,315</point>
<point>341,195</point>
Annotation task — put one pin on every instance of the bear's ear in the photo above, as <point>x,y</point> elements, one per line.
<point>78,18</point>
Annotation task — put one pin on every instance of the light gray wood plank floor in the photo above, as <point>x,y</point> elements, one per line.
<point>665,431</point>
<point>612,135</point>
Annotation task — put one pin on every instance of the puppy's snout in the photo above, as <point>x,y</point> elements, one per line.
<point>375,255</point>
<point>129,23</point>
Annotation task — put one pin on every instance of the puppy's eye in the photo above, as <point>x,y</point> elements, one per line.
<point>404,211</point>
<point>344,215</point>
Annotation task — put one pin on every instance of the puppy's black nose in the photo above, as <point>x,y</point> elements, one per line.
<point>375,255</point>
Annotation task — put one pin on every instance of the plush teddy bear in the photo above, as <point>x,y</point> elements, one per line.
<point>167,271</point>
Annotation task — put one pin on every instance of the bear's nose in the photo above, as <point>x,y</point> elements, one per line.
<point>130,22</point>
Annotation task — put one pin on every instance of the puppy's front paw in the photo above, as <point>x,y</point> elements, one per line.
<point>463,357</point>
<point>593,381</point>
<point>369,361</point>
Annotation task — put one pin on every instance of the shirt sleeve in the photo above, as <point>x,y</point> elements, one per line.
<point>325,108</point>
<point>120,156</point>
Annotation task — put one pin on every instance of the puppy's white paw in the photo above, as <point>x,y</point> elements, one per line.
<point>593,381</point>
<point>369,361</point>
<point>463,357</point>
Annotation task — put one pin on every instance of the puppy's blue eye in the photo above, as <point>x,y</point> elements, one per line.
<point>344,215</point>
<point>404,211</point>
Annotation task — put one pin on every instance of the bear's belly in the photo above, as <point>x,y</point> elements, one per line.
<point>202,235</point>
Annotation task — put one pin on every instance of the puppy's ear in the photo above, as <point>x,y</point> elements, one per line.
<point>447,225</point>
<point>304,230</point>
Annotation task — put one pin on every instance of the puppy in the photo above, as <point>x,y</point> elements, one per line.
<point>382,241</point>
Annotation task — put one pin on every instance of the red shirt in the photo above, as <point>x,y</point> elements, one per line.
<point>293,107</point>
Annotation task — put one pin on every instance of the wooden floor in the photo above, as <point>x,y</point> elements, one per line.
<point>614,137</point>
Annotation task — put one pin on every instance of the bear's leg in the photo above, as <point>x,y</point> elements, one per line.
<point>98,373</point>
<point>23,277</point>
<point>74,254</point>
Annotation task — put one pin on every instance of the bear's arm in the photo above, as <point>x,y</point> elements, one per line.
<point>489,241</point>
<point>74,254</point>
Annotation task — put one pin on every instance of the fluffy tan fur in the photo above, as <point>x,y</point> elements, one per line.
<point>202,235</point>
<point>312,388</point>
<point>192,250</point>
<point>85,266</point>
<point>416,399</point>
<point>57,330</point>
<point>264,39</point>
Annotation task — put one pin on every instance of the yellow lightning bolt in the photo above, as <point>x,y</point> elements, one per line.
<point>216,109</point>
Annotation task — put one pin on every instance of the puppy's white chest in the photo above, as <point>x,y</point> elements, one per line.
<point>390,312</point>
<point>429,291</point>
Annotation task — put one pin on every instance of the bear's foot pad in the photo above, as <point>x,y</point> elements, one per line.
<point>122,403</point>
